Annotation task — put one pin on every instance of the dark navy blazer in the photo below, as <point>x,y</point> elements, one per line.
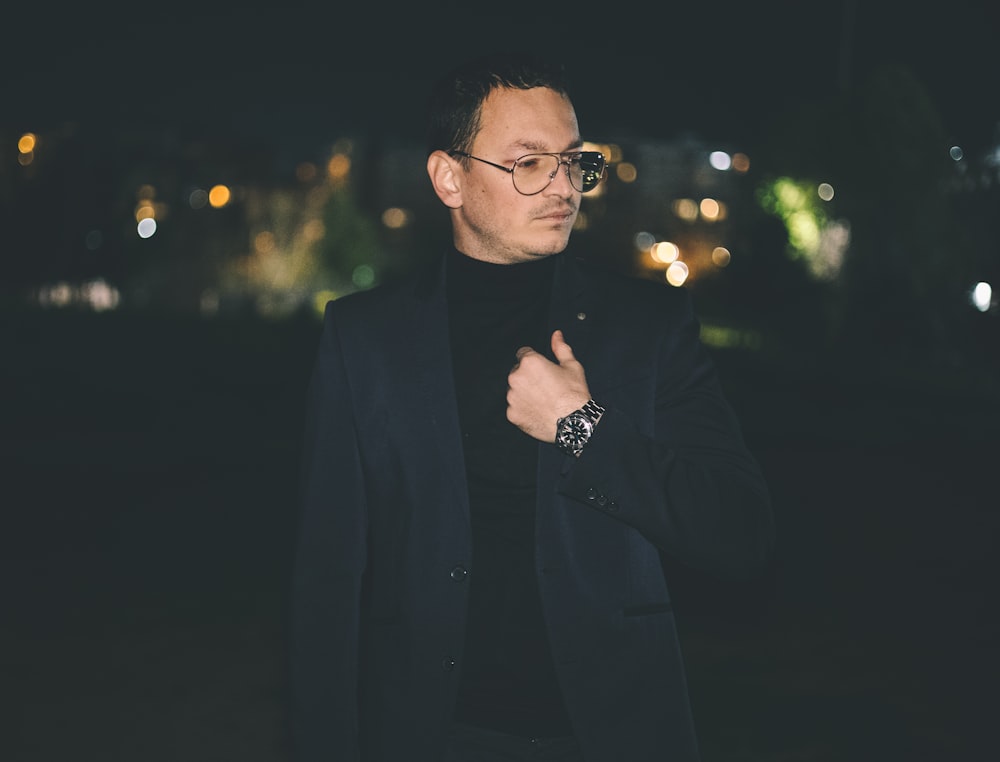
<point>384,555</point>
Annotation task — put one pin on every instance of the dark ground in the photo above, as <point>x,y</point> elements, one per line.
<point>149,474</point>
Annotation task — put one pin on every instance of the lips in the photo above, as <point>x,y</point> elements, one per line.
<point>558,215</point>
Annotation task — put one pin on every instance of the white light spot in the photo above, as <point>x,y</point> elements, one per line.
<point>982,296</point>
<point>664,252</point>
<point>720,160</point>
<point>825,191</point>
<point>146,227</point>
<point>677,273</point>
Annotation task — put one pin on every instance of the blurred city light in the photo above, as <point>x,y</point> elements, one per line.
<point>219,196</point>
<point>338,167</point>
<point>626,172</point>
<point>721,256</point>
<point>811,235</point>
<point>686,209</point>
<point>146,227</point>
<point>363,276</point>
<point>26,149</point>
<point>395,218</point>
<point>97,295</point>
<point>664,252</point>
<point>956,153</point>
<point>727,337</point>
<point>825,191</point>
<point>644,240</point>
<point>27,142</point>
<point>677,273</point>
<point>982,296</point>
<point>720,160</point>
<point>712,210</point>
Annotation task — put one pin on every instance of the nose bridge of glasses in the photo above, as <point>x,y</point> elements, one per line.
<point>570,163</point>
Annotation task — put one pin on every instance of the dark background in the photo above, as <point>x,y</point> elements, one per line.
<point>150,458</point>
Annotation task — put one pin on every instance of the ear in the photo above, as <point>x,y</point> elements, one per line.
<point>445,174</point>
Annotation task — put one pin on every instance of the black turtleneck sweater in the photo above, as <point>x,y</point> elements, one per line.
<point>507,678</point>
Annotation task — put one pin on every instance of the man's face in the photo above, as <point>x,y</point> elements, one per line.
<point>495,222</point>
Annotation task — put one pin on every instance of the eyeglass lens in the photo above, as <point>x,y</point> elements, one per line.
<point>533,173</point>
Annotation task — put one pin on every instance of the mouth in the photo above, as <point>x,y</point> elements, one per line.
<point>561,215</point>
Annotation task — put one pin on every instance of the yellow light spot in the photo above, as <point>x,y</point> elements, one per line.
<point>219,196</point>
<point>709,208</point>
<point>721,256</point>
<point>395,218</point>
<point>626,172</point>
<point>145,210</point>
<point>686,209</point>
<point>27,143</point>
<point>338,167</point>
<point>664,252</point>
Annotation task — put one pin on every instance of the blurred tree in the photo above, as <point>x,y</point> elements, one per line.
<point>884,149</point>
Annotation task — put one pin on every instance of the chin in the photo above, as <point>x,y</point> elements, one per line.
<point>551,245</point>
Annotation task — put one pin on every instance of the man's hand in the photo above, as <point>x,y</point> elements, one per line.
<point>540,391</point>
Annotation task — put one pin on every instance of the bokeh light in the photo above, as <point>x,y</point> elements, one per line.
<point>677,273</point>
<point>219,196</point>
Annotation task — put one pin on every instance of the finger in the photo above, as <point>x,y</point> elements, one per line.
<point>562,350</point>
<point>522,351</point>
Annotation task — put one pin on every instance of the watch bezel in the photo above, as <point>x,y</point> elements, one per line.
<point>573,431</point>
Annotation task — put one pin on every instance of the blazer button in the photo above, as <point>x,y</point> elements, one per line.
<point>612,507</point>
<point>447,664</point>
<point>591,494</point>
<point>459,573</point>
<point>602,500</point>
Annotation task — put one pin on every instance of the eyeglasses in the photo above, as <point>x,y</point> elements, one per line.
<point>534,172</point>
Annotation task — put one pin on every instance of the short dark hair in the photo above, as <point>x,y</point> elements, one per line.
<point>456,100</point>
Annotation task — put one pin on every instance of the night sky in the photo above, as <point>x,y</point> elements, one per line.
<point>725,70</point>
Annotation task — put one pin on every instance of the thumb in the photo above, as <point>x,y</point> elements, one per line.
<point>562,350</point>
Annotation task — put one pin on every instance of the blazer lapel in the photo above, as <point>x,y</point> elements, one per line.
<point>423,341</point>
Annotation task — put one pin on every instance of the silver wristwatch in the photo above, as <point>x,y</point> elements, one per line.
<point>574,430</point>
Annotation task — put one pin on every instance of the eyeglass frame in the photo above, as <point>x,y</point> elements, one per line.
<point>558,156</point>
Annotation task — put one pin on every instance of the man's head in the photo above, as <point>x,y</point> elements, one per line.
<point>503,156</point>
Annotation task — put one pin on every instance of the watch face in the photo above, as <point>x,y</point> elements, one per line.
<point>574,431</point>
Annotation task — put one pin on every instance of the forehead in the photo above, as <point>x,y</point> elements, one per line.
<point>520,121</point>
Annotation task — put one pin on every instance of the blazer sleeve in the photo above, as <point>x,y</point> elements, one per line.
<point>691,487</point>
<point>329,559</point>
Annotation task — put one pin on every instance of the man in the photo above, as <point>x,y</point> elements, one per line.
<point>498,452</point>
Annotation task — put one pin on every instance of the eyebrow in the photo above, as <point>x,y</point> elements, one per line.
<point>530,146</point>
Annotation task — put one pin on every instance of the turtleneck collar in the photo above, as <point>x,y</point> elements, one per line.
<point>474,279</point>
